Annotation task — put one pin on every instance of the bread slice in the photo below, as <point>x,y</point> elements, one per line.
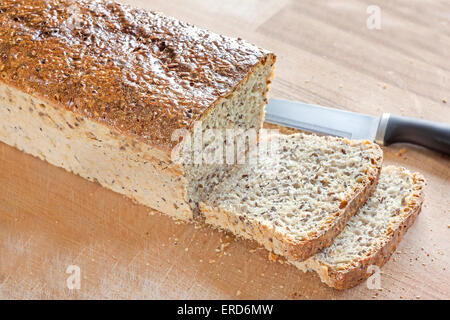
<point>105,90</point>
<point>294,202</point>
<point>372,235</point>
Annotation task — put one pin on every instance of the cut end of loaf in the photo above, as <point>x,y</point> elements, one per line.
<point>240,111</point>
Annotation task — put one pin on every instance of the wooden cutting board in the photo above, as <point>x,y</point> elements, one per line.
<point>51,219</point>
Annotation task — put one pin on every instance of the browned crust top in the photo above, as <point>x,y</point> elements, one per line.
<point>139,72</point>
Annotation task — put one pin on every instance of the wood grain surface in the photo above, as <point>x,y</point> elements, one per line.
<point>51,219</point>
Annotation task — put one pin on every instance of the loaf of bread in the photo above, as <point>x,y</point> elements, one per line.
<point>296,201</point>
<point>103,89</point>
<point>372,235</point>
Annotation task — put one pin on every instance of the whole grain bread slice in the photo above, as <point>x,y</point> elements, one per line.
<point>372,235</point>
<point>295,201</point>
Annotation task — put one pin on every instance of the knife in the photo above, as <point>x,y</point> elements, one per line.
<point>383,130</point>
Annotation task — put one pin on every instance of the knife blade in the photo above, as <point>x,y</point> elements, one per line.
<point>383,130</point>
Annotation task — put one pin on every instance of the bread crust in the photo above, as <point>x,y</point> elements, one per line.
<point>357,273</point>
<point>140,72</point>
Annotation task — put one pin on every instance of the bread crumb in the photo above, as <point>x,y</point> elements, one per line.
<point>221,250</point>
<point>444,100</point>
<point>401,152</point>
<point>186,249</point>
<point>273,256</point>
<point>238,293</point>
<point>212,261</point>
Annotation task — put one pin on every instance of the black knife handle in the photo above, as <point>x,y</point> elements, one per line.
<point>432,135</point>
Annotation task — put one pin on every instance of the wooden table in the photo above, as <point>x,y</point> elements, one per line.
<point>50,219</point>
